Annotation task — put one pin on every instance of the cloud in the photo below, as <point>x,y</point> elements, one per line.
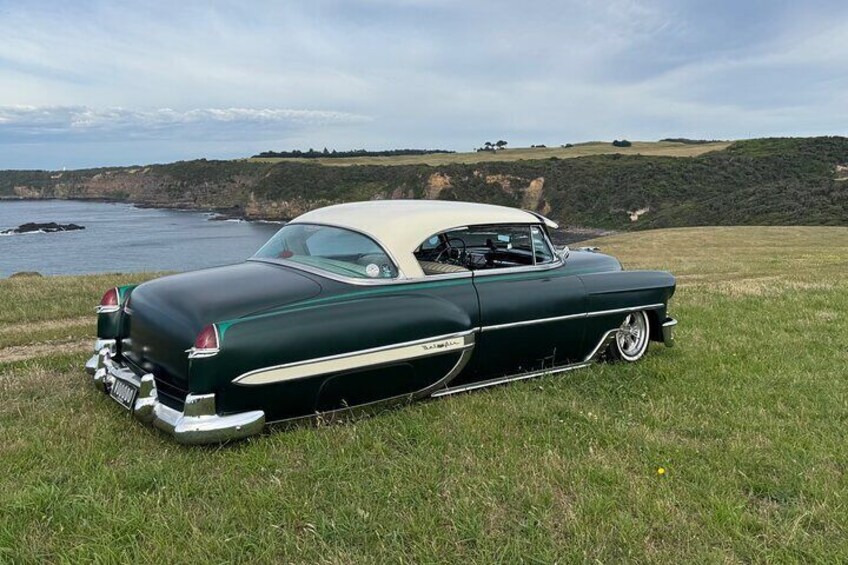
<point>41,123</point>
<point>213,79</point>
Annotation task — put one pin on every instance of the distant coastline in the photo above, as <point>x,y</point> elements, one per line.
<point>781,181</point>
<point>561,236</point>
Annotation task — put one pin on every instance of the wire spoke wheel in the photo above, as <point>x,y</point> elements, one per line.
<point>632,337</point>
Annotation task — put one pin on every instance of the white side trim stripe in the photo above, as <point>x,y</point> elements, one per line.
<point>358,359</point>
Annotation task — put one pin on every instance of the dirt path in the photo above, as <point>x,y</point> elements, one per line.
<point>24,352</point>
<point>26,327</point>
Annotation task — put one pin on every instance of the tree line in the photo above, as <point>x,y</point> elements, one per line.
<point>313,154</point>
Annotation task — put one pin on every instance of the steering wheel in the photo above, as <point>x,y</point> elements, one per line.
<point>451,251</point>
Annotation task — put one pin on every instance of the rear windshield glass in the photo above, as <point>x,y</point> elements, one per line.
<point>335,250</point>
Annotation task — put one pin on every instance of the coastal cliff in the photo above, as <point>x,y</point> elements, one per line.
<point>797,181</point>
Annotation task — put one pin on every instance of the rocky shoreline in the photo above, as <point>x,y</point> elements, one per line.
<point>565,235</point>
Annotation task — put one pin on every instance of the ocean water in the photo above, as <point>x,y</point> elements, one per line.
<point>122,238</point>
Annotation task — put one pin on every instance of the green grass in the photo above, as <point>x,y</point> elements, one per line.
<point>657,148</point>
<point>747,414</point>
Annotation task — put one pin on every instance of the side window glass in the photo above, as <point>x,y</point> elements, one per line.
<point>443,254</point>
<point>336,250</point>
<point>543,251</point>
<point>483,248</point>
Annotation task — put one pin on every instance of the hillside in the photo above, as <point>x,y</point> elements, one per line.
<point>746,415</point>
<point>787,181</point>
<point>651,148</point>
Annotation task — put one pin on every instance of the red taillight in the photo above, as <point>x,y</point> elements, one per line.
<point>207,340</point>
<point>110,301</point>
<point>110,298</point>
<point>205,344</point>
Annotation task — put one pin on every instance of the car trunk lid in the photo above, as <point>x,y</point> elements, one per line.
<point>168,313</point>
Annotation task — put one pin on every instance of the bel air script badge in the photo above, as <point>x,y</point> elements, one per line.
<point>450,343</point>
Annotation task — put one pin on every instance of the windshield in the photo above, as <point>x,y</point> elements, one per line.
<point>335,250</point>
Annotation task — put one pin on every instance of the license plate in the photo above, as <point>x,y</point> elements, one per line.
<point>124,393</point>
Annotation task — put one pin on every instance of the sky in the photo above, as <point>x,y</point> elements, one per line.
<point>90,83</point>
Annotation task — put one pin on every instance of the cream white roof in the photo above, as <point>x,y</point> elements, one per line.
<point>400,226</point>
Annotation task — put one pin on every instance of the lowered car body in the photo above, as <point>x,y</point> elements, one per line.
<point>363,303</point>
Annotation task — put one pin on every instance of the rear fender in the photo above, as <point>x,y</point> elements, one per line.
<point>114,325</point>
<point>304,334</point>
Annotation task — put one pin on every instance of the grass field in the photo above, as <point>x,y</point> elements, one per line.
<point>657,148</point>
<point>747,415</point>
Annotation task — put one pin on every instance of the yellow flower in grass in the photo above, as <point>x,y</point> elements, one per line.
<point>661,471</point>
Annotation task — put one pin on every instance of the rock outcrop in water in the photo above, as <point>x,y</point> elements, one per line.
<point>49,227</point>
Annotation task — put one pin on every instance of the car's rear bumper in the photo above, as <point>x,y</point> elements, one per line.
<point>198,423</point>
<point>668,331</point>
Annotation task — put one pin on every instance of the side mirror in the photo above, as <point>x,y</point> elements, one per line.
<point>562,252</point>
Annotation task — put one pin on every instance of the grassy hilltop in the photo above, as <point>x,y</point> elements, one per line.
<point>792,181</point>
<point>649,148</point>
<point>747,414</point>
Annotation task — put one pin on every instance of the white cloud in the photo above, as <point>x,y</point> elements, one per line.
<point>416,73</point>
<point>24,123</point>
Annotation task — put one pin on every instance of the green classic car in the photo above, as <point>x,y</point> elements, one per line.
<point>368,302</point>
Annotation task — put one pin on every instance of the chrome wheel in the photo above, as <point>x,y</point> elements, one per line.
<point>632,337</point>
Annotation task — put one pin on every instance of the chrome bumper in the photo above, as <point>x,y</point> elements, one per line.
<point>668,331</point>
<point>198,423</point>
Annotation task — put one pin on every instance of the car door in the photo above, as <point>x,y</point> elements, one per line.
<point>531,316</point>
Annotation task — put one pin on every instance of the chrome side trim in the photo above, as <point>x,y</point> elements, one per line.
<point>601,346</point>
<point>555,263</point>
<point>463,360</point>
<point>509,379</point>
<point>531,322</point>
<point>624,310</point>
<point>441,277</point>
<point>107,309</point>
<point>668,331</point>
<point>357,359</point>
<point>594,314</point>
<point>593,356</point>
